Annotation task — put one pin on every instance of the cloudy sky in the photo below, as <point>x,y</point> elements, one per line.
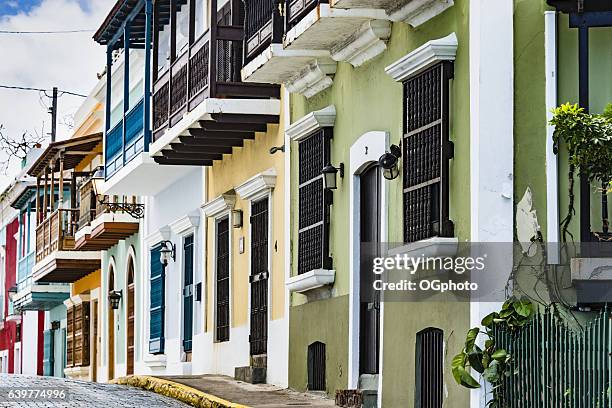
<point>68,61</point>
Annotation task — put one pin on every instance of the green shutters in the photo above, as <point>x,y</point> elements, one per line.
<point>48,360</point>
<point>187,292</point>
<point>157,303</point>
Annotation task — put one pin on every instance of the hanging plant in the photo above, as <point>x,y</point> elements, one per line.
<point>492,362</point>
<point>588,139</point>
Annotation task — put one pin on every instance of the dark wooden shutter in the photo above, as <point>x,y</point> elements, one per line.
<point>188,293</point>
<point>313,233</point>
<point>157,303</point>
<point>48,353</point>
<point>429,366</point>
<point>229,53</point>
<point>223,275</point>
<point>258,336</point>
<point>85,333</point>
<point>70,337</point>
<point>427,150</point>
<point>78,335</point>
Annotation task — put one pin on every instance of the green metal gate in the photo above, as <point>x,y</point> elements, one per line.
<point>554,366</point>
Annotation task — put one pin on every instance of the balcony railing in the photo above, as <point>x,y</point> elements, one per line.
<point>297,9</point>
<point>263,25</point>
<point>92,205</point>
<point>120,150</point>
<point>183,86</point>
<point>56,232</point>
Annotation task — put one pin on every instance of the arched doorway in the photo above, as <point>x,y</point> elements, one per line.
<point>130,316</point>
<point>111,327</point>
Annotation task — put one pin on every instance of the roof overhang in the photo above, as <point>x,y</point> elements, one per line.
<point>74,150</point>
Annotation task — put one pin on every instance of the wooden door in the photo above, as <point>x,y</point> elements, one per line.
<point>94,341</point>
<point>111,331</point>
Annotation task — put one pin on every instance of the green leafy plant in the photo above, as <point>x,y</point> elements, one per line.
<point>491,362</point>
<point>588,139</point>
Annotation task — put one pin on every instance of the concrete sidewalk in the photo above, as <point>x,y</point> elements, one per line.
<point>222,391</point>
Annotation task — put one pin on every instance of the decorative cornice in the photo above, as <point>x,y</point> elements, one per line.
<point>442,49</point>
<point>367,43</point>
<point>185,223</point>
<point>219,205</point>
<point>314,78</point>
<point>258,186</point>
<point>158,236</point>
<point>312,122</point>
<point>417,12</point>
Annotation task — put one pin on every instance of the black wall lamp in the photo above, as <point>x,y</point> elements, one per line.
<point>167,252</point>
<point>330,181</point>
<point>277,149</point>
<point>114,297</point>
<point>389,162</point>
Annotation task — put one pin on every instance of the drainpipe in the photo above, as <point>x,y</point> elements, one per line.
<point>552,169</point>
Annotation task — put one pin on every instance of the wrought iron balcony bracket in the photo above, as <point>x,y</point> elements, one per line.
<point>134,210</point>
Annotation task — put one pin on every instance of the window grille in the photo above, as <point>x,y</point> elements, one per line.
<point>314,201</point>
<point>316,366</point>
<point>223,276</point>
<point>427,151</point>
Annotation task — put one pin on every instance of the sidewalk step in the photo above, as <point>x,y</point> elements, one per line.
<point>251,375</point>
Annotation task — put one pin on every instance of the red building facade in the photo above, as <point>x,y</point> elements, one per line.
<point>9,334</point>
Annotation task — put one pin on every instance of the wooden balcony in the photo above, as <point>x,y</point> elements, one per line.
<point>105,220</point>
<point>56,260</point>
<point>201,108</point>
<point>302,48</point>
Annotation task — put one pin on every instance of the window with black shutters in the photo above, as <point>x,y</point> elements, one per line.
<point>222,281</point>
<point>429,366</point>
<point>188,293</point>
<point>157,302</point>
<point>313,232</point>
<point>427,151</point>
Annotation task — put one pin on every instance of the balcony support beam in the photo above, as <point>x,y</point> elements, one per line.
<point>37,200</point>
<point>43,212</point>
<point>61,181</point>
<point>52,189</point>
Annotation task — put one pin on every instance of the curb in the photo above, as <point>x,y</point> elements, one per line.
<point>180,392</point>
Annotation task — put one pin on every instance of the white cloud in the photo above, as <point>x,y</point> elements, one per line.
<point>69,61</point>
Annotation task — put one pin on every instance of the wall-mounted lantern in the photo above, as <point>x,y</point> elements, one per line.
<point>114,298</point>
<point>330,181</point>
<point>97,179</point>
<point>237,218</point>
<point>389,162</point>
<point>167,252</point>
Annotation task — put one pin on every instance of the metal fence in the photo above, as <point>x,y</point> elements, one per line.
<point>555,366</point>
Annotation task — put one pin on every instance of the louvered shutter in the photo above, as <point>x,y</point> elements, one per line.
<point>85,332</point>
<point>313,233</point>
<point>223,275</point>
<point>427,151</point>
<point>77,338</point>
<point>48,353</point>
<point>70,337</point>
<point>188,293</point>
<point>157,303</point>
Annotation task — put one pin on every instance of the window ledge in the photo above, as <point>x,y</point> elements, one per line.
<point>591,269</point>
<point>312,280</point>
<point>155,360</point>
<point>431,247</point>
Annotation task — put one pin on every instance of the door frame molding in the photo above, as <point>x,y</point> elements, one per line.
<point>365,151</point>
<point>131,256</point>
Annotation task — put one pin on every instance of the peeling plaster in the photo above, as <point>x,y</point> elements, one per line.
<point>527,225</point>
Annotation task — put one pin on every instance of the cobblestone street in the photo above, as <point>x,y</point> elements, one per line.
<point>78,394</point>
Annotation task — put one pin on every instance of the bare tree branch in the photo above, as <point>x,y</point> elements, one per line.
<point>16,148</point>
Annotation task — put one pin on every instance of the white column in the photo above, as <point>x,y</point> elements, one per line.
<point>491,137</point>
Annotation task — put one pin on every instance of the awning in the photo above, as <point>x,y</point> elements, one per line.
<point>74,150</point>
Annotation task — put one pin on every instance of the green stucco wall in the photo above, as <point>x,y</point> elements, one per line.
<point>530,105</point>
<point>367,99</point>
<point>119,253</point>
<point>327,322</point>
